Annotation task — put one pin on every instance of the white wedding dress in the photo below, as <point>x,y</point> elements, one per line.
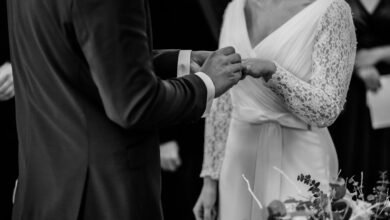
<point>281,123</point>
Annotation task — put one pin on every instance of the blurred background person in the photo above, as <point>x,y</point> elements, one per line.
<point>174,23</point>
<point>360,147</point>
<point>8,137</point>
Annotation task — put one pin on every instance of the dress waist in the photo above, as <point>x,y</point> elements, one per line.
<point>256,116</point>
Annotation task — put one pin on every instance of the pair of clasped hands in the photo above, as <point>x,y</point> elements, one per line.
<point>226,68</point>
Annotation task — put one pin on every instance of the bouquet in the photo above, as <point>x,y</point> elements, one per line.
<point>344,201</point>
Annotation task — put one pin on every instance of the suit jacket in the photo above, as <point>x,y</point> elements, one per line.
<point>89,106</point>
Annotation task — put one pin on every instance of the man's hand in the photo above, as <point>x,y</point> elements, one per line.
<point>370,77</point>
<point>224,68</point>
<point>6,82</point>
<point>197,60</point>
<point>366,58</point>
<point>169,156</point>
<point>206,206</point>
<point>258,68</point>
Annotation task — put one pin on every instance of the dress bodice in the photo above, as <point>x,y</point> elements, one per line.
<point>314,52</point>
<point>296,46</point>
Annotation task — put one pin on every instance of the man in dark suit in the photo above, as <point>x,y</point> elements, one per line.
<point>89,105</point>
<point>8,137</point>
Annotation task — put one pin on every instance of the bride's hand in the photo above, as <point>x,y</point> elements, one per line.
<point>205,208</point>
<point>258,68</point>
<point>371,77</point>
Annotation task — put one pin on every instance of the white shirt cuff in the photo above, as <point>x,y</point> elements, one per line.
<point>183,69</point>
<point>210,92</point>
<point>184,63</point>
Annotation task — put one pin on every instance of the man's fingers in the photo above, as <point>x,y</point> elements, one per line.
<point>6,86</point>
<point>237,76</point>
<point>373,85</point>
<point>194,67</point>
<point>10,90</point>
<point>234,58</point>
<point>227,51</point>
<point>4,78</point>
<point>237,67</point>
<point>8,94</point>
<point>177,162</point>
<point>204,55</point>
<point>166,165</point>
<point>171,165</point>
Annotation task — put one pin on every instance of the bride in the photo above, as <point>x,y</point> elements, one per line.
<point>304,50</point>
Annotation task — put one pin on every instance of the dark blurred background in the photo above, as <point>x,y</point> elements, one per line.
<point>360,148</point>
<point>8,137</point>
<point>182,25</point>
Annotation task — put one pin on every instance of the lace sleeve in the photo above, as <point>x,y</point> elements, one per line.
<point>320,100</point>
<point>216,133</point>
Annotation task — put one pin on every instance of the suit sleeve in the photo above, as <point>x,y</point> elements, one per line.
<point>113,37</point>
<point>165,66</point>
<point>165,63</point>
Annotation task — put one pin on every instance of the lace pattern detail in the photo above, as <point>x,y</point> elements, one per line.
<point>216,133</point>
<point>319,101</point>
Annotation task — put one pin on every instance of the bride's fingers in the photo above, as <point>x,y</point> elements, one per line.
<point>207,214</point>
<point>198,211</point>
<point>234,58</point>
<point>177,162</point>
<point>249,70</point>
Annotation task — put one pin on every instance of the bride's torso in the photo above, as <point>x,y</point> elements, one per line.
<point>283,34</point>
